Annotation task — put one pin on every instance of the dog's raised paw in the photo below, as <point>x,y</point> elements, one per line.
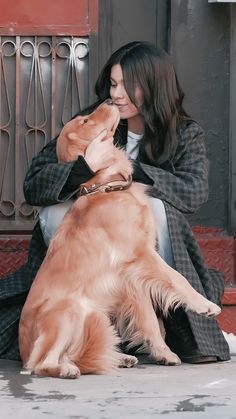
<point>204,307</point>
<point>211,310</point>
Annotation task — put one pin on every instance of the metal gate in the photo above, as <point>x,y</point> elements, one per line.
<point>44,81</point>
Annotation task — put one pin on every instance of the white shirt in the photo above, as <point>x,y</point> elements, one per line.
<point>132,146</point>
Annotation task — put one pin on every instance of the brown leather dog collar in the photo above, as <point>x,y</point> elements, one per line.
<point>106,186</point>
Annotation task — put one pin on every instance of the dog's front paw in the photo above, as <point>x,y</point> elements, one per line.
<point>127,361</point>
<point>167,357</point>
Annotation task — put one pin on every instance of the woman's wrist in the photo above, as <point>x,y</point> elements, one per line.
<point>81,172</point>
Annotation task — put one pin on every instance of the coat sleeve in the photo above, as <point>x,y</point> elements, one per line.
<point>48,182</point>
<point>185,184</point>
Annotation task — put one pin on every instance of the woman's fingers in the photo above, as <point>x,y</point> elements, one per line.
<point>100,152</point>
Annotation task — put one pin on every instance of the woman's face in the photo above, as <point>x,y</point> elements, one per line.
<point>119,95</point>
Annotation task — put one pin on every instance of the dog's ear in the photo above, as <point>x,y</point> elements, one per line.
<point>70,146</point>
<point>77,142</point>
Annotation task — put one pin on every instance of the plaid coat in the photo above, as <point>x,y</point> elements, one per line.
<point>182,185</point>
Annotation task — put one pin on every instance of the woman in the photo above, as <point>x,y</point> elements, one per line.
<point>168,153</point>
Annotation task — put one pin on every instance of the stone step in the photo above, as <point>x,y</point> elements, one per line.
<point>219,251</point>
<point>13,253</point>
<point>227,318</point>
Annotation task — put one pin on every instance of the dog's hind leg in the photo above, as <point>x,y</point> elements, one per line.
<point>49,354</point>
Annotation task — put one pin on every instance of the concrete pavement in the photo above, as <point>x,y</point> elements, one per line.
<point>147,391</point>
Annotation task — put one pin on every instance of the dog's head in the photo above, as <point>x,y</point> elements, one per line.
<point>80,131</point>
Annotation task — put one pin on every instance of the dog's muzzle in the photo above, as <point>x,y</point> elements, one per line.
<point>109,101</point>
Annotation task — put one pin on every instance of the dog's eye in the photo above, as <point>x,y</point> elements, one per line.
<point>85,121</point>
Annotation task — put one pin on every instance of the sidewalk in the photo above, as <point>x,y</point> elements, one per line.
<point>147,391</point>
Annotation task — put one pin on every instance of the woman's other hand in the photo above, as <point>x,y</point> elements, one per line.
<point>100,152</point>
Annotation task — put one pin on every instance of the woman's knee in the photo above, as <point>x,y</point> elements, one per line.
<point>50,218</point>
<point>162,230</point>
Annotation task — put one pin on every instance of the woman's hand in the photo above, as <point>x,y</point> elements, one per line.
<point>100,152</point>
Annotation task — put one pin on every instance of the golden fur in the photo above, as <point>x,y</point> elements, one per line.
<point>101,265</point>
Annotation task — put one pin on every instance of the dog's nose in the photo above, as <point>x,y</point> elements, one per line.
<point>109,101</point>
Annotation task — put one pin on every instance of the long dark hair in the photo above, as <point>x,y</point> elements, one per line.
<point>151,68</point>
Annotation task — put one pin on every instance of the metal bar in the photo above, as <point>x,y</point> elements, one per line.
<point>232,123</point>
<point>18,174</point>
<point>163,8</point>
<point>53,88</point>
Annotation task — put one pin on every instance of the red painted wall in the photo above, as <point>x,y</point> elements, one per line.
<point>45,17</point>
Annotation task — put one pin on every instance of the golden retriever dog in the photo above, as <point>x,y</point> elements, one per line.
<point>102,280</point>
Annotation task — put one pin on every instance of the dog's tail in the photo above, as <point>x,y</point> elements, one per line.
<point>98,352</point>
